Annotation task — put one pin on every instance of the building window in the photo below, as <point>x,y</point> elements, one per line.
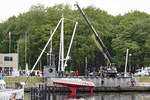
<point>6,58</point>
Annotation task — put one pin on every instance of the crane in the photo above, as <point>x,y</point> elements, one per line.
<point>98,39</point>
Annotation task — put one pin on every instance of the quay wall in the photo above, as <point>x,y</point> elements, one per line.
<point>107,82</point>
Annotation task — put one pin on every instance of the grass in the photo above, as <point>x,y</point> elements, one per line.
<point>31,81</point>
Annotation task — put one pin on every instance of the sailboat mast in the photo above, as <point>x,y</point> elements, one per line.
<point>50,63</point>
<point>125,73</point>
<point>67,57</point>
<point>43,50</point>
<point>59,56</point>
<point>62,44</point>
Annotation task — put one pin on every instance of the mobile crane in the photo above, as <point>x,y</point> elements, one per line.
<point>98,39</point>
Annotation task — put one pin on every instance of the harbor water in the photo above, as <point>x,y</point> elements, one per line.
<point>99,96</point>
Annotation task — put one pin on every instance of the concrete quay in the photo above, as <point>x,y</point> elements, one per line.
<point>110,85</point>
<point>101,89</point>
<point>107,82</point>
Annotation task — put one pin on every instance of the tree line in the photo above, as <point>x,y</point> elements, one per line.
<point>118,33</point>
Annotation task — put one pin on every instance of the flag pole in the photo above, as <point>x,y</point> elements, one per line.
<point>26,65</point>
<point>18,55</point>
<point>9,36</point>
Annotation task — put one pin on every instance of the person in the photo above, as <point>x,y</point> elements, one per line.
<point>102,82</point>
<point>77,73</point>
<point>67,73</point>
<point>132,81</point>
<point>40,73</point>
<point>102,74</point>
<point>62,73</point>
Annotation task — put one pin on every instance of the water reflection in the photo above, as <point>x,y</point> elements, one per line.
<point>98,96</point>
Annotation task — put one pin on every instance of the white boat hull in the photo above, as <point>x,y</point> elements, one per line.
<point>74,82</point>
<point>6,94</point>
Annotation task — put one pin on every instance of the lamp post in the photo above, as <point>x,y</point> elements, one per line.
<point>130,62</point>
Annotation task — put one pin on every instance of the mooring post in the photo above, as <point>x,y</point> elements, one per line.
<point>39,92</point>
<point>39,86</point>
<point>34,93</point>
<point>45,92</point>
<point>42,94</point>
<point>53,93</point>
<point>48,93</point>
<point>31,93</point>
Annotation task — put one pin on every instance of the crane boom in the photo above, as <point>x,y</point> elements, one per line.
<point>104,49</point>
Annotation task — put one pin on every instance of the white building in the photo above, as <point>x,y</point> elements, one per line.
<point>8,63</point>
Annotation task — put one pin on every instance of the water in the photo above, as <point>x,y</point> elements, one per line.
<point>100,96</point>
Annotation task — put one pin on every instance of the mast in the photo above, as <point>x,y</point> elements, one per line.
<point>62,44</point>
<point>43,50</point>
<point>50,63</point>
<point>125,72</point>
<point>59,69</point>
<point>67,57</point>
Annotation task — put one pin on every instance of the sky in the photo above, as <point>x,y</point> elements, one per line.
<point>10,8</point>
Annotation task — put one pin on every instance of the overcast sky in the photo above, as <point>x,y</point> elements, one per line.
<point>9,8</point>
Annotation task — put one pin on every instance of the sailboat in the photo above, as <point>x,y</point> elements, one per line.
<point>72,83</point>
